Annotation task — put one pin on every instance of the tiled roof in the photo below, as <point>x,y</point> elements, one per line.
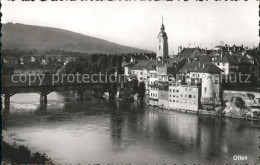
<point>169,62</point>
<point>198,67</point>
<point>204,58</point>
<point>130,64</point>
<point>144,64</point>
<point>227,58</point>
<point>188,52</point>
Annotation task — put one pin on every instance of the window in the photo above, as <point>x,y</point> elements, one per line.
<point>224,64</point>
<point>185,89</point>
<point>181,95</point>
<point>159,47</point>
<point>170,90</point>
<point>177,90</point>
<point>205,89</point>
<point>173,100</point>
<point>185,95</point>
<point>189,96</point>
<point>170,95</point>
<point>173,90</point>
<point>216,81</point>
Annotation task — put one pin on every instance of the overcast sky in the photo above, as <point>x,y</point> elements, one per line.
<point>137,24</point>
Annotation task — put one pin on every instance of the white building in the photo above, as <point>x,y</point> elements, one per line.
<point>184,97</point>
<point>208,76</point>
<point>226,62</point>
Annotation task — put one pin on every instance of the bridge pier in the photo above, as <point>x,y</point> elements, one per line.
<point>43,96</point>
<point>7,100</point>
<point>80,95</point>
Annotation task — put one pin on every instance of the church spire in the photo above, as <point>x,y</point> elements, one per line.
<point>162,28</point>
<point>162,19</point>
<point>162,47</point>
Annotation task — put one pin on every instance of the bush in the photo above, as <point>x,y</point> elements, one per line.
<point>239,102</point>
<point>250,96</point>
<point>22,155</point>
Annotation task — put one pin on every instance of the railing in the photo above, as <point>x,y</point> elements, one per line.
<point>52,80</point>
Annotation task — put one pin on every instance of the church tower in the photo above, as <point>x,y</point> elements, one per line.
<point>162,47</point>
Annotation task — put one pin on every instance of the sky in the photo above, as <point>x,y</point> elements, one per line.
<point>137,23</point>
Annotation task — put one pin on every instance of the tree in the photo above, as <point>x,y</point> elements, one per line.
<point>141,91</point>
<point>133,86</point>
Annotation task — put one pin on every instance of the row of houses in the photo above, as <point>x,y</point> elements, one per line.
<point>191,79</point>
<point>47,59</point>
<point>177,83</point>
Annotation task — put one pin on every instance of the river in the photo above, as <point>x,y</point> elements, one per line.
<point>99,131</point>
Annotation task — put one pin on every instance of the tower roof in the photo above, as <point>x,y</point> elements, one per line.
<point>162,32</point>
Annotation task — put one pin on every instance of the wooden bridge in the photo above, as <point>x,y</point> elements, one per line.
<point>45,84</point>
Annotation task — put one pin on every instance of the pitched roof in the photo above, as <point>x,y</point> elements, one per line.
<point>189,52</point>
<point>144,64</point>
<point>204,58</point>
<point>199,67</point>
<point>227,58</point>
<point>130,64</point>
<point>169,62</point>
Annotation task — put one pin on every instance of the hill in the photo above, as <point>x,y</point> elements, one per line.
<point>20,36</point>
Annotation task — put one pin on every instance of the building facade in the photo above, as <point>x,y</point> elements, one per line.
<point>184,97</point>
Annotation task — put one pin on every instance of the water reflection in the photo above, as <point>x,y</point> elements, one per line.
<point>98,131</point>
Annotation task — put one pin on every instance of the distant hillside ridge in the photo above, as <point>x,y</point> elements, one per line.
<point>21,36</point>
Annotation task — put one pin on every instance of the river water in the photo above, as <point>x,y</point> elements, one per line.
<point>99,131</point>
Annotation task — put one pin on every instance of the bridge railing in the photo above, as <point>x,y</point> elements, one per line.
<point>54,80</point>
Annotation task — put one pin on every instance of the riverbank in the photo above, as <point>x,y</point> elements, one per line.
<point>14,153</point>
<point>229,110</point>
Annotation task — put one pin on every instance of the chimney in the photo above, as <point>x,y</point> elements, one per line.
<point>221,55</point>
<point>199,64</point>
<point>203,66</point>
